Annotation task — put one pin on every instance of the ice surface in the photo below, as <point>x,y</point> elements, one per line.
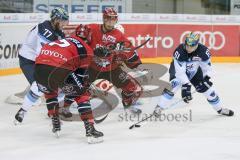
<point>207,137</point>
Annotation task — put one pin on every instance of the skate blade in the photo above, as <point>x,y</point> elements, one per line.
<point>92,140</point>
<point>57,134</point>
<point>16,122</point>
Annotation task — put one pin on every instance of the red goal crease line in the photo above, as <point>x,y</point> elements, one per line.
<point>159,60</point>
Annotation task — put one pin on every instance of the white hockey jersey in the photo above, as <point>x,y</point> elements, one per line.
<point>184,66</point>
<point>39,35</point>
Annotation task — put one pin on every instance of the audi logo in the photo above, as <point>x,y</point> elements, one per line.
<point>208,37</point>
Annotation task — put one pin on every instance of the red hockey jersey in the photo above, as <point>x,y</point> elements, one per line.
<point>112,61</point>
<point>69,53</point>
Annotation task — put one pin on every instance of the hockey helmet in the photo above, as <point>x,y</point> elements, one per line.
<point>110,13</point>
<point>59,13</point>
<point>192,39</point>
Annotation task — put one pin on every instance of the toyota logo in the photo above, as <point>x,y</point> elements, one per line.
<point>208,37</point>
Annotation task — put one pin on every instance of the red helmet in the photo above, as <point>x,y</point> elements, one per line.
<point>110,13</point>
<point>84,32</point>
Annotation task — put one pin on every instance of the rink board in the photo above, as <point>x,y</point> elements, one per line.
<point>162,60</point>
<point>218,33</point>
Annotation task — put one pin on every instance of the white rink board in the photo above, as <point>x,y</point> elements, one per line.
<point>124,17</point>
<point>11,38</point>
<point>207,137</point>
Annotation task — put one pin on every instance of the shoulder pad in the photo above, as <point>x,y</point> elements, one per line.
<point>203,52</point>
<point>180,54</point>
<point>46,31</point>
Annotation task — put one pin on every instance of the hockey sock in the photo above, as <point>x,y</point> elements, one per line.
<point>213,99</point>
<point>165,98</point>
<point>85,111</point>
<point>31,97</point>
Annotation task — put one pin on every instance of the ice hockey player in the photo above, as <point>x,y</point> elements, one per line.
<point>191,65</point>
<point>108,65</point>
<point>55,69</point>
<point>45,32</point>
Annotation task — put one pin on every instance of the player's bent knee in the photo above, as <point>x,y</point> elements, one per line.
<point>85,111</point>
<point>52,105</point>
<point>168,94</point>
<point>175,84</point>
<point>34,94</point>
<point>34,89</point>
<point>201,87</point>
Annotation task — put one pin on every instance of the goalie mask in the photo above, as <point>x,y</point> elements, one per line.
<point>84,32</point>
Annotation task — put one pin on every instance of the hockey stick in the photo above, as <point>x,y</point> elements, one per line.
<point>97,121</point>
<point>123,46</point>
<point>142,44</point>
<point>153,114</point>
<point>129,49</point>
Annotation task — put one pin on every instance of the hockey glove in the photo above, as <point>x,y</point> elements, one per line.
<point>207,80</point>
<point>101,52</point>
<point>186,93</point>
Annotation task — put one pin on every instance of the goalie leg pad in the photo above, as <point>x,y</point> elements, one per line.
<point>131,92</point>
